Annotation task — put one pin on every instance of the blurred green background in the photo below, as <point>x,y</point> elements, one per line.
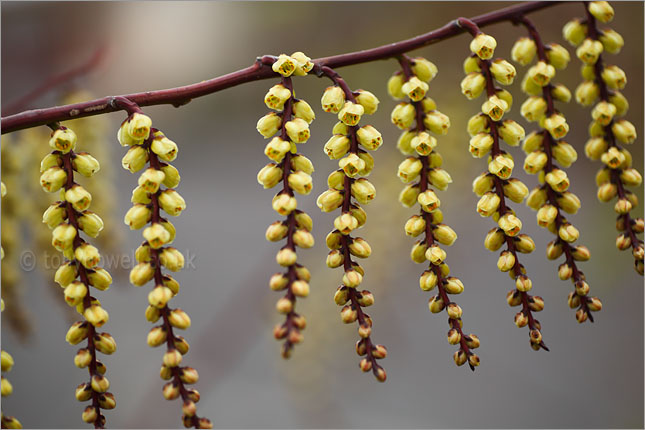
<point>593,376</point>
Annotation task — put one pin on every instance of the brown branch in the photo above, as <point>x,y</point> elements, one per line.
<point>259,70</point>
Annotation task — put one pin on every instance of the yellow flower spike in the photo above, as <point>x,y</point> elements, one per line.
<point>524,51</point>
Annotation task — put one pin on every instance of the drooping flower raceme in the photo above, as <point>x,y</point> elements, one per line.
<point>156,193</point>
<point>344,184</point>
<point>601,88</point>
<point>286,128</point>
<point>546,147</point>
<point>68,218</point>
<point>496,185</point>
<point>421,170</point>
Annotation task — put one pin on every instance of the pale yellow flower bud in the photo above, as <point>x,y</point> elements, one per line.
<point>418,252</point>
<point>480,144</point>
<point>404,143</point>
<point>503,71</point>
<point>270,175</point>
<point>558,180</point>
<point>74,293</point>
<point>277,96</point>
<point>352,278</point>
<point>360,248</point>
<point>54,215</point>
<point>329,200</point>
<point>337,146</point>
<point>530,87</point>
<point>483,46</point>
<point>87,255</point>
<point>403,115</point>
<point>601,10</point>
<point>269,124</point>
<point>424,69</point>
<point>541,73</point>
<point>429,201</point>
<point>395,85</point>
<point>471,64</point>
<point>505,96</point>
<point>50,160</point>
<point>77,332</point>
<point>276,149</point>
<point>478,124</point>
<point>284,65</point>
<point>286,257</point>
<point>303,239</point>
<point>501,166</point>
<point>435,255</point>
<point>137,216</point>
<point>79,197</point>
<point>587,93</point>
<point>415,226</point>
<point>415,88</point>
<point>369,137</point>
<point>333,100</point>
<point>524,243</point>
<point>100,279</point>
<point>439,178</point>
<point>171,202</point>
<point>495,108</point>
<point>63,140</point>
<point>437,122</point>
<point>151,179</point>
<point>546,215</point>
<point>574,32</point>
<point>569,202</point>
<point>473,85</point>
<point>589,51</point>
<point>276,231</point>
<point>409,169</point>
<point>300,182</point>
<point>557,125</point>
<point>515,190</point>
<point>506,261</point>
<point>614,77</point>
<point>53,179</point>
<point>523,51</point>
<point>172,259</point>
<point>135,159</point>
<point>482,184</point>
<point>363,191</point>
<point>90,223</point>
<point>345,223</point>
<point>156,235</point>
<point>511,132</point>
<point>65,274</point>
<point>165,148</point>
<point>85,164</point>
<point>612,41</point>
<point>557,55</point>
<point>564,153</point>
<point>488,204</point>
<point>523,283</point>
<point>335,259</point>
<point>631,177</point>
<point>533,109</point>
<point>510,224</point>
<point>140,196</point>
<point>595,147</point>
<point>606,192</point>
<point>561,93</point>
<point>298,130</point>
<point>568,233</point>
<point>428,280</point>
<point>444,234</point>
<point>613,158</point>
<point>368,101</point>
<point>436,304</point>
<point>303,63</point>
<point>494,239</point>
<point>533,142</point>
<point>96,315</point>
<point>141,274</point>
<point>408,196</point>
<point>352,165</point>
<point>159,297</point>
<point>624,131</point>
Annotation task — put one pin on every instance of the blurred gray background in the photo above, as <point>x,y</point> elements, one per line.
<point>593,376</point>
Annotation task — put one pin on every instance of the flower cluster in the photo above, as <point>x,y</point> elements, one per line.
<point>149,145</point>
<point>8,422</point>
<point>423,162</point>
<point>68,218</point>
<point>294,171</point>
<point>347,182</point>
<point>496,185</point>
<point>545,148</point>
<point>601,88</point>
